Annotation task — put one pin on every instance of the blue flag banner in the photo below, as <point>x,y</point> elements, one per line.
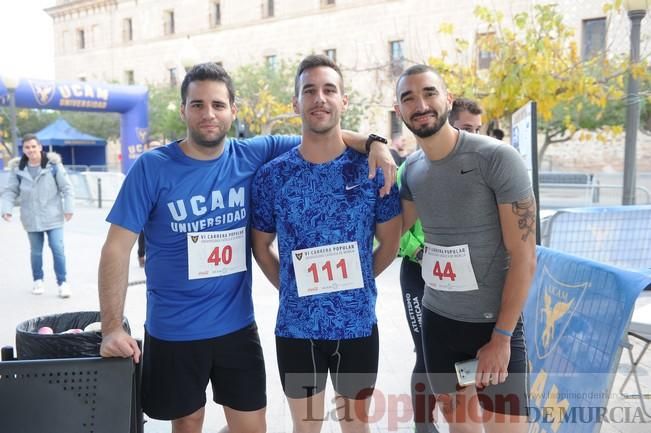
<point>576,316</point>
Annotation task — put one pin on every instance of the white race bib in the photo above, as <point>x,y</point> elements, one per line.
<point>326,269</point>
<point>216,254</point>
<point>448,268</point>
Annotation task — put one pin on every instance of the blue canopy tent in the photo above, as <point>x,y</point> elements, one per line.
<point>75,147</point>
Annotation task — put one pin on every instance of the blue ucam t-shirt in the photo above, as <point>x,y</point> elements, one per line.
<point>313,205</point>
<point>170,195</point>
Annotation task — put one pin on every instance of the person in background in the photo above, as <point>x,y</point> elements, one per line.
<point>466,115</point>
<point>398,148</point>
<point>497,133</point>
<point>46,202</point>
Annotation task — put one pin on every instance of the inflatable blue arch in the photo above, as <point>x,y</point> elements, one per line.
<point>130,101</point>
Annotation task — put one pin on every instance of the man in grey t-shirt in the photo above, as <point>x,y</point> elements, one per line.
<point>474,198</point>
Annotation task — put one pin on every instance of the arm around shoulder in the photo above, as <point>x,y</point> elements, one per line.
<point>378,156</point>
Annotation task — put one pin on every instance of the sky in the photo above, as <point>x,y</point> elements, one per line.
<point>27,41</point>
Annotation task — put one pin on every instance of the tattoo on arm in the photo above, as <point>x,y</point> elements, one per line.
<point>526,212</point>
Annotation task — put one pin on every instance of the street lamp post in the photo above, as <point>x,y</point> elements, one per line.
<point>11,83</point>
<point>636,12</point>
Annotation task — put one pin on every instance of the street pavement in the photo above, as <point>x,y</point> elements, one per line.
<point>84,236</point>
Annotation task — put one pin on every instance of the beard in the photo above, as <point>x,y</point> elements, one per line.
<point>428,131</point>
<point>205,142</point>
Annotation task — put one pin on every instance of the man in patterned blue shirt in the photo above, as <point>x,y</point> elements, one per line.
<point>326,210</point>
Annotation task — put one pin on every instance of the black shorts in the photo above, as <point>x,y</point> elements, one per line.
<point>446,341</point>
<point>175,374</point>
<point>303,365</point>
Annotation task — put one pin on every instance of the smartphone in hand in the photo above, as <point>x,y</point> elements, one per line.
<point>466,371</point>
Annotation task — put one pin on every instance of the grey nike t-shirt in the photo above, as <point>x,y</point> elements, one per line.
<point>456,199</point>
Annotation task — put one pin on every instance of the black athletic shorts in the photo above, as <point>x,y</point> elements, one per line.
<point>175,374</point>
<point>446,341</point>
<point>303,365</point>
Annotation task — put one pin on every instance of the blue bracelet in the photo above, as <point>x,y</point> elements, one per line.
<point>503,332</point>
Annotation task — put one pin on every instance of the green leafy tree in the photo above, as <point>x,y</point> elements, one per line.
<point>103,125</point>
<point>164,113</point>
<point>27,121</point>
<point>31,121</point>
<point>357,106</point>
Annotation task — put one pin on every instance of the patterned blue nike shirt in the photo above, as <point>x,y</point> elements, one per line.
<point>311,205</point>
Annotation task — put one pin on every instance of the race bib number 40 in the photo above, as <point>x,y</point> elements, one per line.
<point>215,254</point>
<point>448,268</point>
<point>326,269</point>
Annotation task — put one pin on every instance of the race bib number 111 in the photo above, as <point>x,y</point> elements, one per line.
<point>329,268</point>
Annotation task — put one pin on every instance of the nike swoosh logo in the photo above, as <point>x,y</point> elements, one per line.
<point>349,187</point>
<point>467,171</point>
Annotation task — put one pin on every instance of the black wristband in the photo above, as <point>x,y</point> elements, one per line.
<point>419,255</point>
<point>371,138</point>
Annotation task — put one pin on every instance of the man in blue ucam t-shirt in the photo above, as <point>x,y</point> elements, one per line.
<point>191,197</point>
<point>319,200</point>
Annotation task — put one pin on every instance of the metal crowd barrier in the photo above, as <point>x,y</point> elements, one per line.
<point>615,235</point>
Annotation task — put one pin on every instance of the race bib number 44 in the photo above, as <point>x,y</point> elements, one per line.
<point>448,268</point>
<point>326,269</point>
<point>215,254</point>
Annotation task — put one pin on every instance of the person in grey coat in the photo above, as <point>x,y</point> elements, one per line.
<point>46,201</point>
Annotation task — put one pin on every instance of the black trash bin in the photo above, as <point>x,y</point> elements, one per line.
<point>32,345</point>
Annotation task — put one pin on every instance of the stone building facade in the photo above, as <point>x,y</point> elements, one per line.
<point>147,41</point>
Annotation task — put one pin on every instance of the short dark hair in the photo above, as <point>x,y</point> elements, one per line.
<point>464,104</point>
<point>30,136</point>
<point>419,69</point>
<point>209,71</point>
<point>498,133</point>
<point>315,61</point>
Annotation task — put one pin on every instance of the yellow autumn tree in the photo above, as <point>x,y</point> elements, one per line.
<point>264,98</point>
<point>536,58</point>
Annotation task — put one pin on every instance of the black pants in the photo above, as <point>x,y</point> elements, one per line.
<point>422,398</point>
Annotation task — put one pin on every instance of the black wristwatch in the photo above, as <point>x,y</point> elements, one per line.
<point>371,138</point>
